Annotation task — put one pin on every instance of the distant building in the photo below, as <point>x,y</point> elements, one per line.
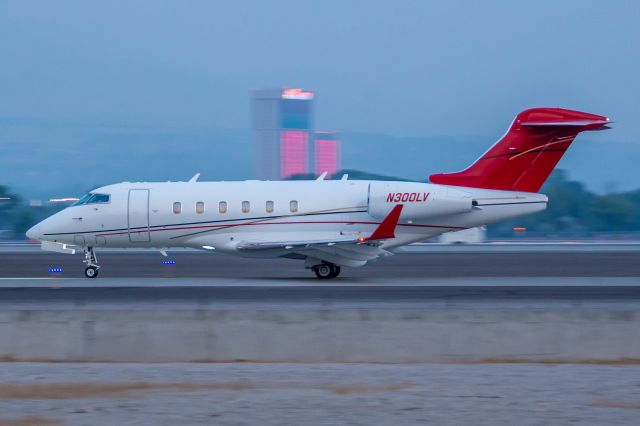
<point>282,126</point>
<point>326,153</point>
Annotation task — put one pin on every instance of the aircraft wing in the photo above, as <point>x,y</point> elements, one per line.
<point>349,251</point>
<point>291,245</point>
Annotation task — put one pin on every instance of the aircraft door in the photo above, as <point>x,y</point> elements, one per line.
<point>138,215</point>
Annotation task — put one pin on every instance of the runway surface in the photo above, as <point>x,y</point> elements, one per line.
<point>410,279</point>
<point>498,296</point>
<point>393,269</point>
<point>324,296</point>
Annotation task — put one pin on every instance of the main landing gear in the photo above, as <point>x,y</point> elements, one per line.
<point>326,270</point>
<point>91,271</point>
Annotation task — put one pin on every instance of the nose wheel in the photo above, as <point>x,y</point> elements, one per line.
<point>91,260</point>
<point>326,270</point>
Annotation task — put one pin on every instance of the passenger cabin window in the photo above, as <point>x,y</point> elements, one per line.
<point>93,199</point>
<point>200,207</point>
<point>293,206</point>
<point>222,207</point>
<point>269,207</point>
<point>177,207</point>
<point>245,207</point>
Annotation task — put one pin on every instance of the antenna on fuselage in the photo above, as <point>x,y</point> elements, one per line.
<point>195,178</point>
<point>345,176</point>
<point>322,176</point>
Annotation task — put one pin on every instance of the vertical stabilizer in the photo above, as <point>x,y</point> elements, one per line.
<point>523,159</point>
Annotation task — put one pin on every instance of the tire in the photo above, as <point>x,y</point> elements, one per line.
<point>90,272</point>
<point>335,270</point>
<point>324,271</point>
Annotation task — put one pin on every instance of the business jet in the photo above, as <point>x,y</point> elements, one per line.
<point>327,224</point>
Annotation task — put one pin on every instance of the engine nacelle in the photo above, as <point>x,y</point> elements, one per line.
<point>419,200</point>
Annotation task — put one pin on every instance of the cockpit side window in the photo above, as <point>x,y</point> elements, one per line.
<point>82,200</point>
<point>93,199</point>
<point>99,199</point>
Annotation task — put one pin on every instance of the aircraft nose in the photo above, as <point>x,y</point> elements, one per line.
<point>35,233</point>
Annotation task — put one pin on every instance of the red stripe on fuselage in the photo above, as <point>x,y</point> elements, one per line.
<point>219,227</point>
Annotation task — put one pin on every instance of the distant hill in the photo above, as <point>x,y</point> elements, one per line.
<point>41,160</point>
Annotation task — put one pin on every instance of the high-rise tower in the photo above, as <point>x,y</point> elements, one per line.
<point>282,126</point>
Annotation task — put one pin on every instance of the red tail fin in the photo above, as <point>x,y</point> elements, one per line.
<point>523,159</point>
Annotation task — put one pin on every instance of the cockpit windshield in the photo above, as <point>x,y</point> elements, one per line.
<point>93,199</point>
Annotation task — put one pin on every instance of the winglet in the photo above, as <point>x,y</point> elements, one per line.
<point>387,227</point>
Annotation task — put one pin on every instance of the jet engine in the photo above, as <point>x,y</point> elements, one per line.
<point>419,200</point>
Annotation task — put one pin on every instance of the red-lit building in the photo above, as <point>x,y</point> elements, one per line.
<point>294,152</point>
<point>326,153</point>
<point>282,125</point>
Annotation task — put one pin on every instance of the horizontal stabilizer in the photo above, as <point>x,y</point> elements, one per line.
<point>582,123</point>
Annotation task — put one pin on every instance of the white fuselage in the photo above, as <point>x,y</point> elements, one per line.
<point>222,215</point>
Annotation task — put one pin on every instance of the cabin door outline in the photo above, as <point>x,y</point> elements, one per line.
<point>138,216</point>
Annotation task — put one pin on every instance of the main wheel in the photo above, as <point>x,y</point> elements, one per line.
<point>323,271</point>
<point>335,270</point>
<point>90,272</point>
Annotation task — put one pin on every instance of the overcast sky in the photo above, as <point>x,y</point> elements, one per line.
<point>394,67</point>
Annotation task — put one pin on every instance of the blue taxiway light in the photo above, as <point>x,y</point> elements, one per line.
<point>55,270</point>
<point>168,262</point>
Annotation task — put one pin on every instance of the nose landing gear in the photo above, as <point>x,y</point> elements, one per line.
<point>90,259</point>
<point>326,270</point>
